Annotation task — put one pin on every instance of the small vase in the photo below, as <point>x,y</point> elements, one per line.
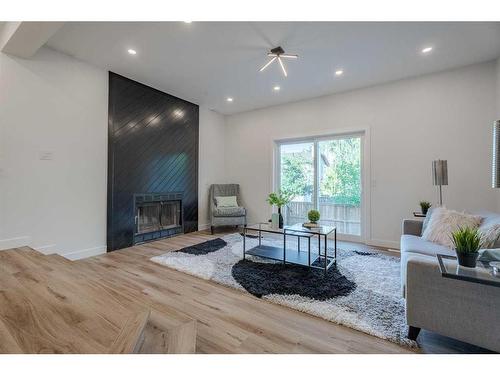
<point>467,259</point>
<point>424,210</point>
<point>280,221</point>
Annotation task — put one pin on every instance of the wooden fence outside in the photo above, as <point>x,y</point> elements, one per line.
<point>347,218</point>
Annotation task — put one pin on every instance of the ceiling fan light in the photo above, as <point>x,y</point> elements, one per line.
<point>282,67</point>
<point>268,63</point>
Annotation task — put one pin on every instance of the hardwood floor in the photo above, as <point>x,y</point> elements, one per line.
<point>222,319</point>
<point>46,309</point>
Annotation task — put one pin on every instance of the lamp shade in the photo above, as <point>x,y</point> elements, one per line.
<point>495,173</point>
<point>440,172</point>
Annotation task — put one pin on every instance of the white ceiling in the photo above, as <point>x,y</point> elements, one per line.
<point>205,62</point>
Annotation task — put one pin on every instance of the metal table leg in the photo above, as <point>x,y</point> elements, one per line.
<point>284,247</point>
<point>244,241</point>
<point>335,238</point>
<point>309,251</point>
<point>260,234</point>
<point>326,255</point>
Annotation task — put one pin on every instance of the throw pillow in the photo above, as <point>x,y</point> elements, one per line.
<point>226,201</point>
<point>490,235</point>
<point>443,222</point>
<point>427,218</point>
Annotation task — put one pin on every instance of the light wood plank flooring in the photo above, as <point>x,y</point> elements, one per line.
<point>225,320</point>
<point>45,308</point>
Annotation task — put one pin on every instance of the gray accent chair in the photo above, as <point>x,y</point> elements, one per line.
<point>462,310</point>
<point>226,216</point>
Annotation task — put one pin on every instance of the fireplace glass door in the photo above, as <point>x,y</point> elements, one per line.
<point>170,214</point>
<point>148,217</point>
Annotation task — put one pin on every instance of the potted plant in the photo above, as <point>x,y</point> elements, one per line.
<point>424,206</point>
<point>467,242</point>
<point>313,216</point>
<point>279,200</point>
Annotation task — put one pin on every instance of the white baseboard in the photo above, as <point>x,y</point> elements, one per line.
<point>203,226</point>
<point>383,243</point>
<point>46,249</point>
<point>10,243</point>
<point>85,253</point>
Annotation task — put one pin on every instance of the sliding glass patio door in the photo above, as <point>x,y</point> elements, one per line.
<point>323,174</point>
<point>339,184</point>
<point>297,178</point>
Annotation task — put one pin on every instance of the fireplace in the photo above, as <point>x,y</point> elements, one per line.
<point>157,216</point>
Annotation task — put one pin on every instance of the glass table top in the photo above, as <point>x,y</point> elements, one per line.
<point>484,273</point>
<point>297,228</point>
<point>322,229</point>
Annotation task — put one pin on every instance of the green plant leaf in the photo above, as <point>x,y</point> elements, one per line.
<point>466,240</point>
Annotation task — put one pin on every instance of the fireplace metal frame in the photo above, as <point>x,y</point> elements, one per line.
<point>144,198</point>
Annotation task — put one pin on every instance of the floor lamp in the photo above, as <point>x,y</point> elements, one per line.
<point>440,176</point>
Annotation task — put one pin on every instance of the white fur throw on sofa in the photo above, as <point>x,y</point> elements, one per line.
<point>443,222</point>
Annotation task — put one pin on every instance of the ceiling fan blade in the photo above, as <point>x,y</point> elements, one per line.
<point>270,54</point>
<point>289,56</point>
<point>269,63</point>
<point>282,67</point>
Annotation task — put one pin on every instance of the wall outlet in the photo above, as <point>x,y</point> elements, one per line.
<point>46,155</point>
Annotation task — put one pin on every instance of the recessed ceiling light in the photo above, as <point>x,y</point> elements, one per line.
<point>188,21</point>
<point>276,88</point>
<point>339,72</point>
<point>229,99</point>
<point>427,50</point>
<point>132,51</point>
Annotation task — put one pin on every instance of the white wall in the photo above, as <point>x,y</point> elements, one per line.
<point>57,104</point>
<point>53,104</point>
<point>211,159</point>
<point>446,115</point>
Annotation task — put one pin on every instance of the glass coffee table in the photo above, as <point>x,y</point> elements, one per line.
<point>482,274</point>
<point>304,257</point>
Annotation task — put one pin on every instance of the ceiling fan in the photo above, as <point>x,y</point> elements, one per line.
<point>277,54</point>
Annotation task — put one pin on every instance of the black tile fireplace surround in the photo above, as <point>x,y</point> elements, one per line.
<point>152,164</point>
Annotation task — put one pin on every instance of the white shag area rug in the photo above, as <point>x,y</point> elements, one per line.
<point>374,305</point>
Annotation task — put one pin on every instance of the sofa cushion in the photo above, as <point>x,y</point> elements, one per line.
<point>489,218</point>
<point>490,236</point>
<point>490,228</point>
<point>427,218</point>
<point>443,222</point>
<point>229,211</point>
<point>417,245</point>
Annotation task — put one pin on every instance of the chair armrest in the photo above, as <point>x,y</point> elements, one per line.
<point>413,227</point>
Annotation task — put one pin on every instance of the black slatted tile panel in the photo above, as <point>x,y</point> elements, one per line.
<point>153,148</point>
